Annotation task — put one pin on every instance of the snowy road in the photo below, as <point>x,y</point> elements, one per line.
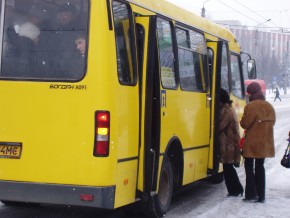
<point>217,205</point>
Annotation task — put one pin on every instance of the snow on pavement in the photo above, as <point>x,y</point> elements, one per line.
<point>277,181</point>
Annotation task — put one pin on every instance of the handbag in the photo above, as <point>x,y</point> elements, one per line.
<point>285,162</point>
<point>242,140</point>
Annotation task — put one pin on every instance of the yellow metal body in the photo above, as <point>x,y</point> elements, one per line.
<point>54,121</point>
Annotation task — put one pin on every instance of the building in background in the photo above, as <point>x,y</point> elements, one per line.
<point>269,47</point>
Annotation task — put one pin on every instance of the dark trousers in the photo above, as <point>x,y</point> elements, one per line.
<point>255,178</point>
<point>232,180</point>
<point>276,98</point>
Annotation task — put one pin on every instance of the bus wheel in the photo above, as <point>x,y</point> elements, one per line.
<point>217,178</point>
<point>161,201</point>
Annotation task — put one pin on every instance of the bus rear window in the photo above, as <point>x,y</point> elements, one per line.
<point>44,39</point>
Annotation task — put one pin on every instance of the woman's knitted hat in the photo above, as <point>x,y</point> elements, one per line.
<point>29,30</point>
<point>255,91</point>
<point>224,97</point>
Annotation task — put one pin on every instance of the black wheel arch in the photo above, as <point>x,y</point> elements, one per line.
<point>175,153</point>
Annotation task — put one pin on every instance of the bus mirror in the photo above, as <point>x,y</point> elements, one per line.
<point>251,66</point>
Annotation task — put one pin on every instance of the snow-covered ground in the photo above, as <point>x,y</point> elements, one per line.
<point>277,181</point>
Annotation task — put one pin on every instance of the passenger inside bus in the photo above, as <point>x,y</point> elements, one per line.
<point>30,34</point>
<point>39,16</point>
<point>67,26</point>
<point>45,46</point>
<point>81,43</point>
<point>28,50</point>
<point>78,60</point>
<point>67,16</point>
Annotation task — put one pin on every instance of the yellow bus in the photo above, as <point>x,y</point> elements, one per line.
<point>108,102</point>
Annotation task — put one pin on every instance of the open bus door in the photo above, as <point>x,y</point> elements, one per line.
<point>226,74</point>
<point>215,51</point>
<point>146,91</point>
<point>149,162</point>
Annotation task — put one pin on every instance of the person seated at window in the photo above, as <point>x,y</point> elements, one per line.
<point>68,26</point>
<point>39,16</point>
<point>30,32</point>
<point>81,43</point>
<point>18,64</point>
<point>67,17</point>
<point>80,58</point>
<point>12,19</point>
<point>76,66</point>
<point>29,61</point>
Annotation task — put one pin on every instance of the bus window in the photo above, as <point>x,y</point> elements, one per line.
<point>40,40</point>
<point>186,62</point>
<point>124,45</point>
<point>236,76</point>
<point>182,37</point>
<point>192,60</point>
<point>225,69</point>
<point>166,55</point>
<point>198,45</point>
<point>189,70</point>
<point>199,52</point>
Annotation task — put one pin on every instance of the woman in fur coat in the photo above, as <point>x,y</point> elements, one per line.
<point>258,120</point>
<point>229,151</point>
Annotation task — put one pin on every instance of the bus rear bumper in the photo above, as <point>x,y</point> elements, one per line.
<point>99,197</point>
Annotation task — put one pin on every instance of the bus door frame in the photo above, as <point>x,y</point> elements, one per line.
<point>216,47</point>
<point>2,9</point>
<point>150,108</point>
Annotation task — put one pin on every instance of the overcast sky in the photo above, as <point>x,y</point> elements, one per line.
<point>248,12</point>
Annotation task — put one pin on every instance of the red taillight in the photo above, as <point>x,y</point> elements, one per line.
<point>102,133</point>
<point>87,197</point>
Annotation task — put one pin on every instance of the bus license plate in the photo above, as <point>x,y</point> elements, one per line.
<point>10,150</point>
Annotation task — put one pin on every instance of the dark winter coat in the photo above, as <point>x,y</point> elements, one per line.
<point>277,93</point>
<point>258,119</point>
<point>229,151</point>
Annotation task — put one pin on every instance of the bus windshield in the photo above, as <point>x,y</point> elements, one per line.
<point>44,39</point>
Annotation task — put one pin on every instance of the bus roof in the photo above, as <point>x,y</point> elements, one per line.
<point>181,15</point>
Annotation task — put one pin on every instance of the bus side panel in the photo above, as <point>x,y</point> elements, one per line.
<point>186,117</point>
<point>55,121</point>
<point>195,165</point>
<point>127,123</point>
<point>126,183</point>
<point>189,167</point>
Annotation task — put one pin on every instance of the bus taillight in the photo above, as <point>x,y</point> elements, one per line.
<point>102,133</point>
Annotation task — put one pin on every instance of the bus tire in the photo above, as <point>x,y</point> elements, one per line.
<point>217,178</point>
<point>160,202</point>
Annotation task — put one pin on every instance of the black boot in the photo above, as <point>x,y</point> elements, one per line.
<point>261,200</point>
